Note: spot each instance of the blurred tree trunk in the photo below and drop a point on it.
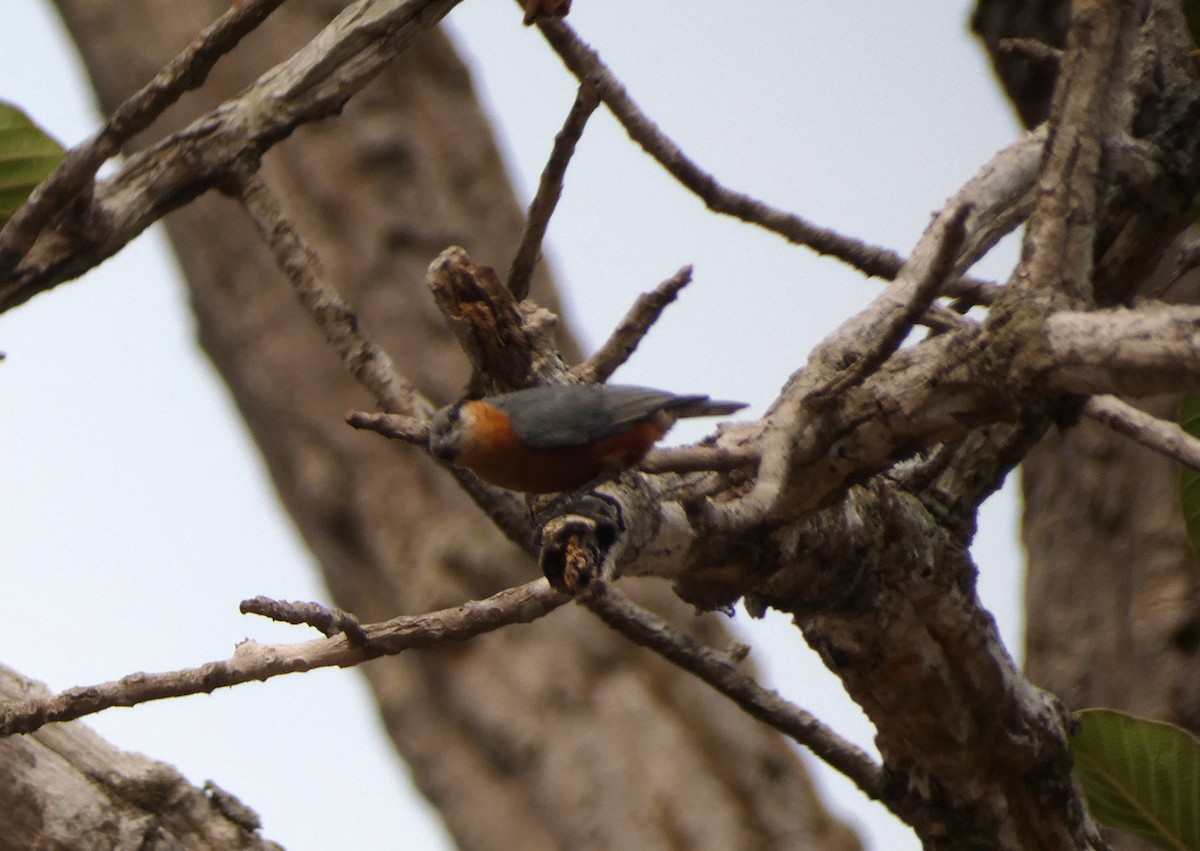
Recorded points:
(554, 735)
(1112, 598)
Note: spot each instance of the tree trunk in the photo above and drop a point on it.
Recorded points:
(1111, 595)
(1112, 591)
(553, 735)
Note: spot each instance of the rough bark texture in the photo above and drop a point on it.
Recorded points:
(1112, 593)
(554, 735)
(872, 462)
(66, 789)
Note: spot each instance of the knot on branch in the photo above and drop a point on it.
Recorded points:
(544, 10)
(577, 546)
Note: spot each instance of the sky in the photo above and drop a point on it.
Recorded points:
(137, 513)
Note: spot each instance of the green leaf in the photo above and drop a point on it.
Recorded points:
(1189, 479)
(27, 155)
(1142, 777)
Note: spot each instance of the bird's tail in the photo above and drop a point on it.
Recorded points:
(702, 406)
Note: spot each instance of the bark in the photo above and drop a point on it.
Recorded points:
(63, 788)
(554, 735)
(1112, 592)
(871, 464)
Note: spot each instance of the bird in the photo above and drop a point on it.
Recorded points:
(561, 438)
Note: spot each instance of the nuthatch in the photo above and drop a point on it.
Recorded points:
(560, 437)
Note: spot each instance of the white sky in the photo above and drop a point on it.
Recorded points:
(137, 515)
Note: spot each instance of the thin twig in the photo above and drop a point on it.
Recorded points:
(329, 621)
(549, 191)
(254, 661)
(637, 322)
(369, 363)
(587, 66)
(312, 84)
(1148, 430)
(186, 71)
(1030, 48)
(719, 671)
(883, 326)
(391, 426)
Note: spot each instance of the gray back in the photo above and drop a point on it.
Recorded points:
(572, 414)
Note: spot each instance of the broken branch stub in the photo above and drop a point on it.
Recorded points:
(510, 345)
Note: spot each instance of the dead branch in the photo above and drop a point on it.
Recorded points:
(315, 83)
(719, 670)
(587, 66)
(624, 339)
(510, 345)
(874, 335)
(329, 621)
(1148, 430)
(252, 661)
(186, 71)
(1030, 48)
(391, 426)
(549, 191)
(369, 363)
(697, 459)
(1085, 119)
(1153, 349)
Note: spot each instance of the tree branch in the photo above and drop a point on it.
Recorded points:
(697, 459)
(587, 67)
(329, 621)
(1030, 48)
(391, 426)
(719, 671)
(1153, 349)
(549, 191)
(253, 661)
(1153, 433)
(792, 447)
(1085, 116)
(315, 83)
(369, 363)
(861, 345)
(185, 72)
(632, 330)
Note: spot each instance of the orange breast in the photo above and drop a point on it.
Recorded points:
(496, 455)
